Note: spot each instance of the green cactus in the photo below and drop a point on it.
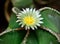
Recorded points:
(47, 33)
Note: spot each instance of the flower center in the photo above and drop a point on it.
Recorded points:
(29, 20)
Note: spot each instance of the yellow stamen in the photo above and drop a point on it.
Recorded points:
(29, 20)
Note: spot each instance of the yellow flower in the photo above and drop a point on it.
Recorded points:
(29, 18)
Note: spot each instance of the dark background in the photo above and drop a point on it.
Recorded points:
(3, 21)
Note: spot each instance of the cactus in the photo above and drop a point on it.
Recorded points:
(46, 21)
